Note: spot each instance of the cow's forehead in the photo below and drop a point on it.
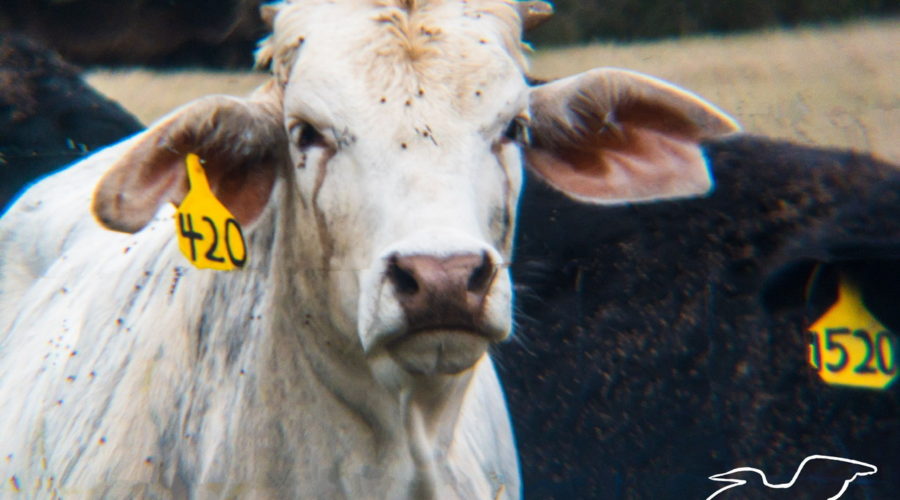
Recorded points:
(370, 57)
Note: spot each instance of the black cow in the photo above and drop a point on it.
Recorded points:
(49, 117)
(662, 343)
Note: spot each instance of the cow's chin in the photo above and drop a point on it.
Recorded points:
(438, 352)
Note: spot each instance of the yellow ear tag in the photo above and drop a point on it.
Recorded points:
(848, 346)
(208, 234)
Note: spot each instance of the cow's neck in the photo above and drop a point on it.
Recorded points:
(313, 397)
(410, 424)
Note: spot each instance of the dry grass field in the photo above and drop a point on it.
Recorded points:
(832, 86)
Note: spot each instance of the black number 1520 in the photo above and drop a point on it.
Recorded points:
(877, 354)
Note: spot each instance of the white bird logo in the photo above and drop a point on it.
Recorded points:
(820, 473)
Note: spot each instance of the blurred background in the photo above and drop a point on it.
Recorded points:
(578, 21)
(222, 33)
(821, 72)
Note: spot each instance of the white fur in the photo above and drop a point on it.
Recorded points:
(124, 372)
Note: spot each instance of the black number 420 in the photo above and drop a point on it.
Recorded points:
(213, 253)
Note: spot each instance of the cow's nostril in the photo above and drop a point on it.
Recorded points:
(404, 281)
(482, 276)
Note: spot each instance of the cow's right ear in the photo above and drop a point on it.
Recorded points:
(240, 140)
(611, 136)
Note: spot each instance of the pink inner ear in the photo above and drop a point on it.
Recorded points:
(245, 190)
(637, 164)
(130, 193)
(241, 142)
(613, 136)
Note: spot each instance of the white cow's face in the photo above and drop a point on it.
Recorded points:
(411, 169)
(396, 131)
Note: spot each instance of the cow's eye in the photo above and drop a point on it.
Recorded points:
(305, 135)
(517, 131)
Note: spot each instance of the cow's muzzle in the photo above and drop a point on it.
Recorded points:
(443, 300)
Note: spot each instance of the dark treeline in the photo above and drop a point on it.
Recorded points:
(170, 33)
(624, 20)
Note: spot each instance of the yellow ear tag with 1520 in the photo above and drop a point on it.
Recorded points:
(208, 234)
(849, 346)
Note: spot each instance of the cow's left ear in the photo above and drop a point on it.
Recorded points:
(241, 140)
(613, 136)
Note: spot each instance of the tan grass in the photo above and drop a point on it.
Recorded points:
(150, 94)
(834, 86)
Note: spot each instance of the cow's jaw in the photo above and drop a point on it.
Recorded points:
(438, 351)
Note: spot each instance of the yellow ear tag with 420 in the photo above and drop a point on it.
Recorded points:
(208, 234)
(849, 346)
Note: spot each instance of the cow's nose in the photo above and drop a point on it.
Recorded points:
(442, 292)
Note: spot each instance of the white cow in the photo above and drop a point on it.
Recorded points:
(376, 177)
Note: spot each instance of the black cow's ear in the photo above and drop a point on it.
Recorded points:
(806, 284)
(812, 286)
(241, 140)
(860, 244)
(881, 291)
(614, 136)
